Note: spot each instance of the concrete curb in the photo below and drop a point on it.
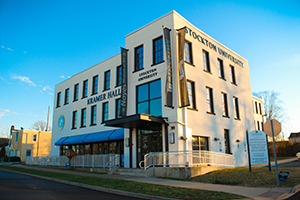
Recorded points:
(97, 188)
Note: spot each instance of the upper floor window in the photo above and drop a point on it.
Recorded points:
(105, 112)
(188, 52)
(76, 88)
(236, 108)
(232, 74)
(119, 76)
(221, 69)
(224, 105)
(95, 85)
(260, 111)
(17, 137)
(256, 107)
(118, 108)
(107, 80)
(149, 98)
(139, 58)
(94, 115)
(209, 100)
(191, 93)
(158, 55)
(34, 137)
(67, 92)
(74, 120)
(83, 117)
(58, 99)
(85, 89)
(206, 65)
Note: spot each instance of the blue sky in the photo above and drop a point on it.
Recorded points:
(42, 43)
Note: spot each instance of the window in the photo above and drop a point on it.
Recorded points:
(76, 88)
(67, 92)
(262, 126)
(221, 69)
(58, 99)
(258, 125)
(232, 74)
(259, 105)
(139, 58)
(85, 89)
(200, 143)
(105, 112)
(83, 117)
(94, 115)
(236, 108)
(188, 52)
(158, 50)
(95, 85)
(256, 107)
(149, 98)
(206, 64)
(191, 93)
(34, 137)
(227, 141)
(28, 152)
(107, 80)
(119, 76)
(118, 108)
(209, 100)
(224, 105)
(17, 137)
(74, 120)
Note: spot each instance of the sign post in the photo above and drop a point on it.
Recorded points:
(273, 128)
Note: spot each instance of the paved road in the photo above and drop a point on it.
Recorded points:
(15, 186)
(293, 164)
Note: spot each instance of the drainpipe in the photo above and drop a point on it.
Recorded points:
(38, 143)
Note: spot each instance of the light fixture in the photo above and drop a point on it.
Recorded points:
(172, 138)
(237, 141)
(126, 142)
(216, 139)
(183, 138)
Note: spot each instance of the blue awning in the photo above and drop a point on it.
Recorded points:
(115, 134)
(60, 141)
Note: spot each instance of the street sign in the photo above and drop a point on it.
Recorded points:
(276, 127)
(258, 147)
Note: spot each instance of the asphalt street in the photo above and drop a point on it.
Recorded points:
(293, 164)
(15, 186)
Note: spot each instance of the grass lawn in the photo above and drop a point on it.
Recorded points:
(259, 177)
(132, 186)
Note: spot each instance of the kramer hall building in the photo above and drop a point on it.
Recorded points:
(172, 88)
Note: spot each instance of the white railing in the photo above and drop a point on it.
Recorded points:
(101, 160)
(187, 159)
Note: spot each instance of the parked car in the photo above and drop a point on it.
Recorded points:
(298, 155)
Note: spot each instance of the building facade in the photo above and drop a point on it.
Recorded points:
(258, 110)
(193, 95)
(25, 143)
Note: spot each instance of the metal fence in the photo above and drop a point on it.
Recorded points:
(101, 160)
(187, 159)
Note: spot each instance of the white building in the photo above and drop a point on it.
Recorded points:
(87, 106)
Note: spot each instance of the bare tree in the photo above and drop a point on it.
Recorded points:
(4, 130)
(39, 125)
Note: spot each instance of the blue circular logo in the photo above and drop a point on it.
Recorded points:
(61, 122)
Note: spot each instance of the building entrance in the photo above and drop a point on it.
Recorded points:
(148, 141)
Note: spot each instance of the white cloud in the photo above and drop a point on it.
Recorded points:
(50, 93)
(69, 76)
(24, 52)
(62, 76)
(15, 113)
(6, 110)
(24, 79)
(1, 115)
(2, 47)
(1, 78)
(47, 88)
(9, 49)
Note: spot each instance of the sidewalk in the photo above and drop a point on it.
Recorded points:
(251, 193)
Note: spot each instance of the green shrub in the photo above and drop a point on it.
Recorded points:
(12, 159)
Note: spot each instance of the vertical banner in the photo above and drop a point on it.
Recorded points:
(124, 87)
(169, 82)
(182, 78)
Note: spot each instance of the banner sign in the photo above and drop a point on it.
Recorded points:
(169, 82)
(182, 78)
(258, 147)
(124, 87)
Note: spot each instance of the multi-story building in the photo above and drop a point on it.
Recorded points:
(258, 110)
(182, 91)
(25, 143)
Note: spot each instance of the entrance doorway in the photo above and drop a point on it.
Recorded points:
(148, 141)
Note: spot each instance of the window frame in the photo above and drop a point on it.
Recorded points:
(199, 143)
(156, 61)
(34, 137)
(236, 108)
(224, 105)
(76, 91)
(192, 96)
(232, 75)
(137, 58)
(106, 80)
(67, 96)
(227, 141)
(93, 115)
(85, 88)
(221, 69)
(118, 108)
(209, 100)
(206, 63)
(104, 111)
(83, 118)
(28, 150)
(58, 100)
(190, 52)
(119, 76)
(74, 119)
(95, 85)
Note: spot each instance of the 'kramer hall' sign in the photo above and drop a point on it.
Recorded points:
(104, 96)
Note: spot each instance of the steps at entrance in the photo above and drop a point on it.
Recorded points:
(130, 172)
